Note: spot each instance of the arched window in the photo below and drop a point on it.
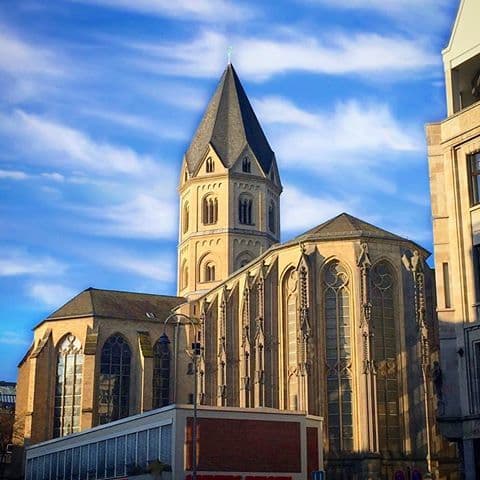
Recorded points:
(272, 175)
(209, 274)
(385, 352)
(246, 165)
(338, 357)
(68, 389)
(210, 210)
(243, 258)
(184, 279)
(186, 214)
(114, 382)
(245, 210)
(161, 372)
(290, 294)
(210, 165)
(185, 176)
(271, 217)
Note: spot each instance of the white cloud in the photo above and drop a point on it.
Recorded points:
(54, 176)
(17, 262)
(49, 294)
(13, 175)
(20, 57)
(155, 267)
(144, 215)
(138, 123)
(301, 211)
(10, 337)
(263, 57)
(63, 146)
(206, 10)
(353, 135)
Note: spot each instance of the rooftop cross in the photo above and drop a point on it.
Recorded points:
(229, 54)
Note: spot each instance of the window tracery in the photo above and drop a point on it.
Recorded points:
(338, 357)
(161, 372)
(385, 354)
(68, 389)
(114, 381)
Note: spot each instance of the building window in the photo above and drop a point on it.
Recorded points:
(475, 177)
(68, 390)
(385, 354)
(186, 212)
(114, 384)
(210, 210)
(446, 286)
(245, 207)
(338, 357)
(243, 258)
(246, 165)
(209, 274)
(290, 294)
(185, 176)
(161, 372)
(210, 165)
(476, 271)
(184, 278)
(271, 217)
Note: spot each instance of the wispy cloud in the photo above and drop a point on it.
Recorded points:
(18, 262)
(144, 215)
(203, 10)
(314, 209)
(137, 122)
(13, 175)
(50, 294)
(10, 337)
(63, 146)
(260, 58)
(355, 134)
(20, 57)
(156, 267)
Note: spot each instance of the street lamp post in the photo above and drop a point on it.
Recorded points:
(185, 320)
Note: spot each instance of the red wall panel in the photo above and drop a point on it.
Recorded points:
(228, 445)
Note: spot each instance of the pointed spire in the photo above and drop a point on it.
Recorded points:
(229, 124)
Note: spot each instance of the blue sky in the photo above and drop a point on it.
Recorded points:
(99, 98)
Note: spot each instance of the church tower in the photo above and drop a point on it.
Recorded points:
(229, 192)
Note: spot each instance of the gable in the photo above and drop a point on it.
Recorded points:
(465, 39)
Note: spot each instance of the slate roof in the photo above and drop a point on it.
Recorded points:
(346, 226)
(229, 124)
(115, 304)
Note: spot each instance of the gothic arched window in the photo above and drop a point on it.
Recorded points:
(338, 357)
(161, 372)
(246, 165)
(210, 210)
(186, 212)
(209, 274)
(68, 389)
(114, 381)
(271, 217)
(245, 210)
(385, 354)
(290, 294)
(210, 165)
(184, 277)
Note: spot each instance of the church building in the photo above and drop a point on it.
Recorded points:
(338, 322)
